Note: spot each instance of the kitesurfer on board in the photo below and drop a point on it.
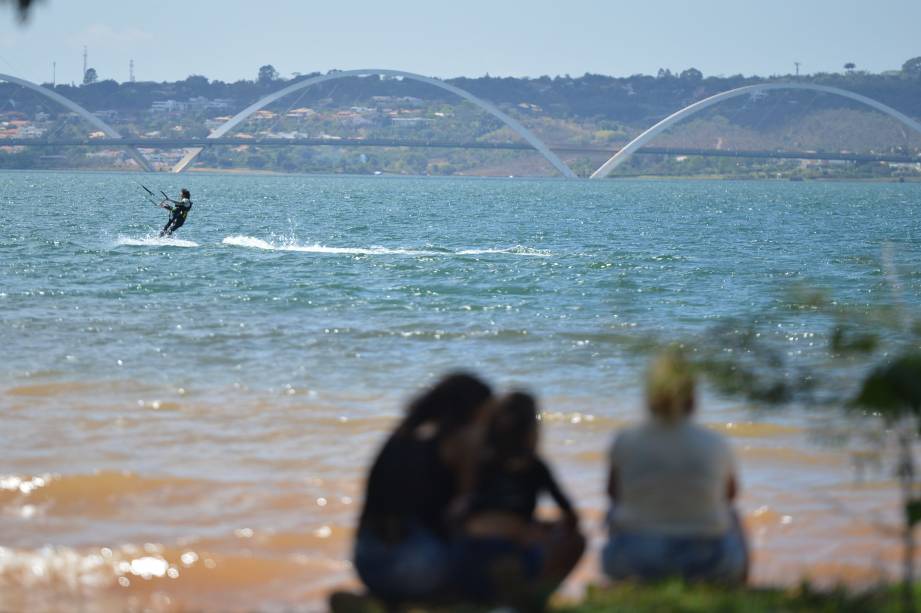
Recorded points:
(179, 211)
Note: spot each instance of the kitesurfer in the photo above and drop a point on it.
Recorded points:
(179, 211)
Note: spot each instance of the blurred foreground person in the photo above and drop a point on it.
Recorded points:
(505, 555)
(672, 485)
(402, 549)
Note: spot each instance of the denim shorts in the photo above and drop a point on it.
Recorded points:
(483, 565)
(652, 557)
(417, 568)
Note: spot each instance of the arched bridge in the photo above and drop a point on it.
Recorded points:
(621, 156)
(490, 108)
(630, 148)
(79, 110)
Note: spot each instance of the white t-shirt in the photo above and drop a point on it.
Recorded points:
(672, 479)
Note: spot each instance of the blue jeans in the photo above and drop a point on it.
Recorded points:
(417, 568)
(483, 564)
(652, 557)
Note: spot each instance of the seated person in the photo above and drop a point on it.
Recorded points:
(402, 548)
(505, 555)
(672, 484)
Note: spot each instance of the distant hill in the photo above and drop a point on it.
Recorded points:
(638, 99)
(591, 109)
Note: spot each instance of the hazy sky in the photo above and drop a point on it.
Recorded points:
(230, 39)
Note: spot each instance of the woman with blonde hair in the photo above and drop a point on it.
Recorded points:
(672, 484)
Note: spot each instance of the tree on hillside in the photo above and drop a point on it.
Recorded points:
(691, 74)
(197, 85)
(850, 66)
(196, 81)
(267, 74)
(912, 68)
(90, 76)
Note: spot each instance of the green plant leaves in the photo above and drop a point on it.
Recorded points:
(844, 341)
(894, 389)
(913, 511)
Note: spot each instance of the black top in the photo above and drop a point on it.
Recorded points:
(409, 485)
(500, 488)
(181, 208)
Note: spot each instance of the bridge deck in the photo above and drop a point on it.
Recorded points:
(182, 143)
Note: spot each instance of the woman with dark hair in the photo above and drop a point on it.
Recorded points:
(506, 556)
(402, 550)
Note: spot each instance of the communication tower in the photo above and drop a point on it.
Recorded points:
(131, 70)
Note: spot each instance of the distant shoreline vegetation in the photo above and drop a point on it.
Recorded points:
(600, 113)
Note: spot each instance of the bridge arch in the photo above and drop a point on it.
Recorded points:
(82, 112)
(490, 108)
(630, 148)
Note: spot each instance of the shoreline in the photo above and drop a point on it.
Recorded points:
(315, 545)
(645, 178)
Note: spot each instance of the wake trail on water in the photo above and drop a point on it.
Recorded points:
(154, 241)
(258, 243)
(516, 250)
(252, 242)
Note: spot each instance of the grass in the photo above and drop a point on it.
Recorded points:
(677, 597)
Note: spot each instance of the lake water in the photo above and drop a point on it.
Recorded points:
(187, 422)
